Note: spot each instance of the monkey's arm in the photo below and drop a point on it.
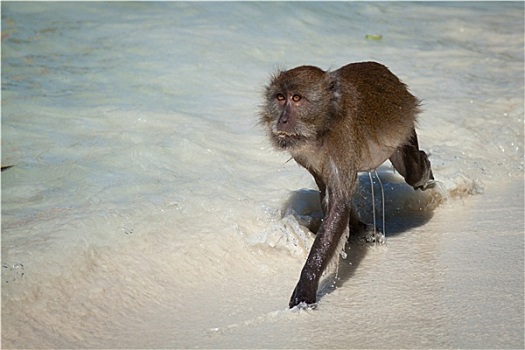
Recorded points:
(323, 248)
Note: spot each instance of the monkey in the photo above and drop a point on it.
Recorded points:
(336, 124)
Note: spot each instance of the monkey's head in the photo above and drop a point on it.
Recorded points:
(298, 106)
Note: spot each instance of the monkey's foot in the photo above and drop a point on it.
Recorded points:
(303, 296)
(369, 235)
(374, 236)
(365, 233)
(305, 306)
(429, 185)
(427, 178)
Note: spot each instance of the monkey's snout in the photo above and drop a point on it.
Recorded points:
(286, 128)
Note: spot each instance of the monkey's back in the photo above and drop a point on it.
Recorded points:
(379, 109)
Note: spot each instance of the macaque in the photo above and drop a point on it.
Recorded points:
(336, 124)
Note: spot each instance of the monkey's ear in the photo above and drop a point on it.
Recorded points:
(330, 79)
(332, 82)
(334, 89)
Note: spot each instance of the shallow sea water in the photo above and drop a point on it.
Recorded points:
(145, 208)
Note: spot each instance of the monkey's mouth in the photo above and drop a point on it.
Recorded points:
(285, 139)
(284, 134)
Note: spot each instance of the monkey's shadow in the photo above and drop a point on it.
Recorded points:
(404, 209)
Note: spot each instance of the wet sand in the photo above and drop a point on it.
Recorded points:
(455, 281)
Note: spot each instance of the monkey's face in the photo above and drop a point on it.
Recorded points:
(297, 107)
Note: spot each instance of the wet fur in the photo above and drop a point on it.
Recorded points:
(345, 121)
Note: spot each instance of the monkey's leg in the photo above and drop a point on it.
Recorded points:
(326, 241)
(413, 164)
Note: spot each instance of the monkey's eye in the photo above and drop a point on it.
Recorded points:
(279, 97)
(296, 98)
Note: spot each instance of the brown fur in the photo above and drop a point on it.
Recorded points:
(336, 124)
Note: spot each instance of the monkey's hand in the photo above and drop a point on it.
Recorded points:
(304, 293)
